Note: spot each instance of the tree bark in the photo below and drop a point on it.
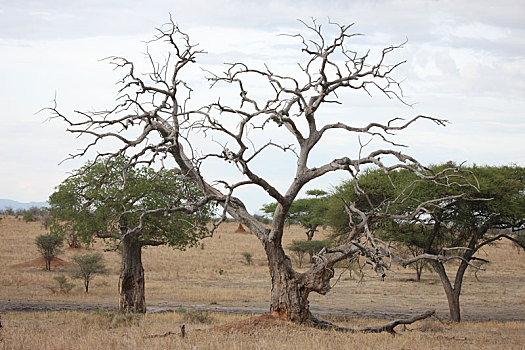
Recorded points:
(289, 299)
(310, 235)
(453, 306)
(131, 280)
(419, 270)
(452, 292)
(290, 289)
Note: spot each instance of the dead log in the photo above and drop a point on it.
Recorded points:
(389, 327)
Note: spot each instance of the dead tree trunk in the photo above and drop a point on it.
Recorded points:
(290, 289)
(131, 280)
(289, 299)
(175, 123)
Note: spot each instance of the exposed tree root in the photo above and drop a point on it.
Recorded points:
(389, 327)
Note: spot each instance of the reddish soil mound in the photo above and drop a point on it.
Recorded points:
(40, 262)
(240, 229)
(252, 325)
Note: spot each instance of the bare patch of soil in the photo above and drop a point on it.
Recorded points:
(252, 325)
(43, 306)
(261, 320)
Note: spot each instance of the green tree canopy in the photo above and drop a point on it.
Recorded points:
(307, 212)
(87, 266)
(49, 247)
(310, 247)
(137, 206)
(106, 199)
(463, 216)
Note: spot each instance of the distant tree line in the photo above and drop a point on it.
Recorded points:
(29, 215)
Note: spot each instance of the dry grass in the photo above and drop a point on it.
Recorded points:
(102, 331)
(219, 275)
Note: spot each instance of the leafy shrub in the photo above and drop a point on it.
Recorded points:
(49, 247)
(88, 265)
(63, 285)
(29, 217)
(32, 214)
(248, 257)
(194, 316)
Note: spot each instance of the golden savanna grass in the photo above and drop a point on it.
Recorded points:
(73, 330)
(216, 273)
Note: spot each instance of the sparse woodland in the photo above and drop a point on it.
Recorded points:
(155, 122)
(159, 122)
(194, 280)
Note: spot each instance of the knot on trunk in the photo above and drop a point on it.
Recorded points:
(317, 278)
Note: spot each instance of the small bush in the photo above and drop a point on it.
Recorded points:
(63, 285)
(194, 316)
(247, 257)
(112, 319)
(29, 217)
(88, 265)
(49, 247)
(32, 214)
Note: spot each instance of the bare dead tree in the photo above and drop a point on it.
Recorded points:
(155, 119)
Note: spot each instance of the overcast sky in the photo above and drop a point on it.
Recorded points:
(465, 63)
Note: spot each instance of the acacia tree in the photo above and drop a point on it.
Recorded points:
(88, 265)
(49, 247)
(307, 212)
(470, 223)
(378, 189)
(136, 208)
(456, 227)
(157, 115)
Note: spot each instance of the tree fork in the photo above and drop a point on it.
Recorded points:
(290, 289)
(289, 298)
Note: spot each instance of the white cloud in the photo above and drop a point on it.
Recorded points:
(466, 63)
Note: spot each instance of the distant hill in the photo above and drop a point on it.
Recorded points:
(8, 203)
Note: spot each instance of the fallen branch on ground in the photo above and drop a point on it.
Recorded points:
(389, 327)
(182, 333)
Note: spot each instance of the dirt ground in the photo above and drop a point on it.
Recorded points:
(213, 276)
